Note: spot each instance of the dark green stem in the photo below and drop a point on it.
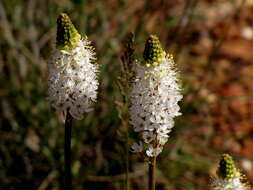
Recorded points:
(67, 152)
(151, 180)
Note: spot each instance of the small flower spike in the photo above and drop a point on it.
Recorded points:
(154, 97)
(73, 71)
(229, 177)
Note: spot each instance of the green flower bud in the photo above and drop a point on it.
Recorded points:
(153, 51)
(227, 169)
(67, 34)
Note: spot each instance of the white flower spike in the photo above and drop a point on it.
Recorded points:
(154, 97)
(229, 177)
(73, 71)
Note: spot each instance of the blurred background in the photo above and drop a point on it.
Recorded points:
(212, 43)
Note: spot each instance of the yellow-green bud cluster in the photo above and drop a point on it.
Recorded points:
(67, 34)
(227, 169)
(153, 52)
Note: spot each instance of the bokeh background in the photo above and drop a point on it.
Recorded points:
(212, 43)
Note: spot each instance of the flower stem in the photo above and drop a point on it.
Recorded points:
(152, 165)
(67, 152)
(127, 158)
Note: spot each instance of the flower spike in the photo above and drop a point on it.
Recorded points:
(229, 177)
(154, 96)
(73, 71)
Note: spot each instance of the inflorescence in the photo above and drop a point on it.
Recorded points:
(154, 98)
(229, 177)
(73, 71)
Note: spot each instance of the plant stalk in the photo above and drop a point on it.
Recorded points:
(151, 180)
(127, 158)
(67, 152)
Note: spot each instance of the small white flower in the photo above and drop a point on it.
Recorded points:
(137, 147)
(151, 151)
(148, 136)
